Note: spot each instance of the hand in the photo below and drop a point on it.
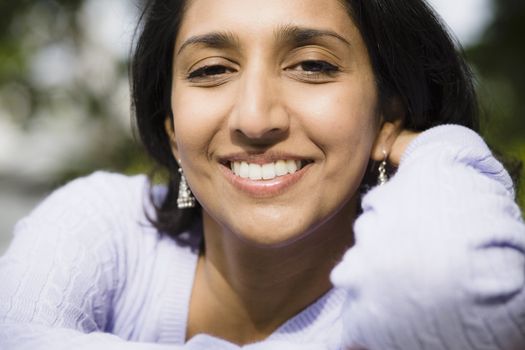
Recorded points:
(426, 247)
(393, 139)
(399, 146)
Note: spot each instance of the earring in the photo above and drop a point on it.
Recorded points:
(185, 198)
(383, 177)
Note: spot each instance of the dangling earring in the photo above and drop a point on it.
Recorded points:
(185, 198)
(383, 177)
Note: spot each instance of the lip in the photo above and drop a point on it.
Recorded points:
(260, 159)
(262, 188)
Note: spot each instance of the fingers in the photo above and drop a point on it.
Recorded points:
(393, 140)
(400, 144)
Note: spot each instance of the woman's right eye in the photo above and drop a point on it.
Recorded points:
(208, 72)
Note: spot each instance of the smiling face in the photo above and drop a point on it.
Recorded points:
(274, 114)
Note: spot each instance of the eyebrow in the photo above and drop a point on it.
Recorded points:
(289, 34)
(214, 40)
(302, 35)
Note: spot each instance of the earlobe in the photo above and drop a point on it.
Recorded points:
(168, 127)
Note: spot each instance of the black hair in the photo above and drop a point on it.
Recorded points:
(414, 59)
(151, 78)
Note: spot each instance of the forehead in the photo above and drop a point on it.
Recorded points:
(253, 18)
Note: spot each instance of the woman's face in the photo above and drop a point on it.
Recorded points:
(275, 113)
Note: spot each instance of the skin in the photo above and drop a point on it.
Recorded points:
(267, 95)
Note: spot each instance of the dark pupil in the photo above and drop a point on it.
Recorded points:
(214, 70)
(313, 66)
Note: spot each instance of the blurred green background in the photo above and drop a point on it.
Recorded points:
(64, 96)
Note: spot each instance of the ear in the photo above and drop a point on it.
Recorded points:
(390, 129)
(385, 139)
(168, 126)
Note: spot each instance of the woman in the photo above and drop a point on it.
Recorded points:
(271, 112)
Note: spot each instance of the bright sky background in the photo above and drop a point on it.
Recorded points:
(466, 18)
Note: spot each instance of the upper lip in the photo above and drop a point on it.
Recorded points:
(261, 158)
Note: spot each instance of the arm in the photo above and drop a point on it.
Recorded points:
(34, 337)
(61, 276)
(439, 260)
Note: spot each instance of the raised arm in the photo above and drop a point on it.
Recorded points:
(439, 259)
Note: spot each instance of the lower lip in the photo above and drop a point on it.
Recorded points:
(264, 188)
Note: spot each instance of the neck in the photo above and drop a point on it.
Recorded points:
(251, 290)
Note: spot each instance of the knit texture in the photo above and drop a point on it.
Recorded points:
(439, 256)
(438, 264)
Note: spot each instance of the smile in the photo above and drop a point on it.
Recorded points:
(264, 176)
(267, 171)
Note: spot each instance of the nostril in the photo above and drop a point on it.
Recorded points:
(277, 130)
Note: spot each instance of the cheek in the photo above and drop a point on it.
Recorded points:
(343, 122)
(341, 119)
(196, 123)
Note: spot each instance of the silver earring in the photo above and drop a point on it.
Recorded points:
(185, 198)
(383, 177)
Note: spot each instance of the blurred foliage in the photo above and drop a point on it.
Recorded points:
(498, 60)
(27, 27)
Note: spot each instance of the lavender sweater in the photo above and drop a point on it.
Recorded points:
(439, 263)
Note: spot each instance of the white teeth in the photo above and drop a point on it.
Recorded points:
(266, 171)
(255, 172)
(244, 170)
(236, 167)
(280, 168)
(291, 165)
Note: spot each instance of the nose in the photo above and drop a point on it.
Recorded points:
(259, 115)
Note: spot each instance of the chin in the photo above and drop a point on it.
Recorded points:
(271, 236)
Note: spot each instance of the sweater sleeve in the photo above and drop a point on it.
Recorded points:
(439, 259)
(61, 275)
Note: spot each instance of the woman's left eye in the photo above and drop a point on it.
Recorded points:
(314, 71)
(318, 67)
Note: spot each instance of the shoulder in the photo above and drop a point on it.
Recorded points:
(100, 207)
(100, 188)
(101, 194)
(103, 208)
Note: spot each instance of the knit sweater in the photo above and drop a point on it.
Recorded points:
(439, 263)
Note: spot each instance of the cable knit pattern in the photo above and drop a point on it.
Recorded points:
(87, 260)
(439, 256)
(438, 264)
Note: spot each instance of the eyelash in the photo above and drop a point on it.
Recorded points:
(321, 67)
(318, 69)
(203, 72)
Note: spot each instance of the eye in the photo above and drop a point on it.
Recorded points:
(316, 71)
(318, 67)
(207, 72)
